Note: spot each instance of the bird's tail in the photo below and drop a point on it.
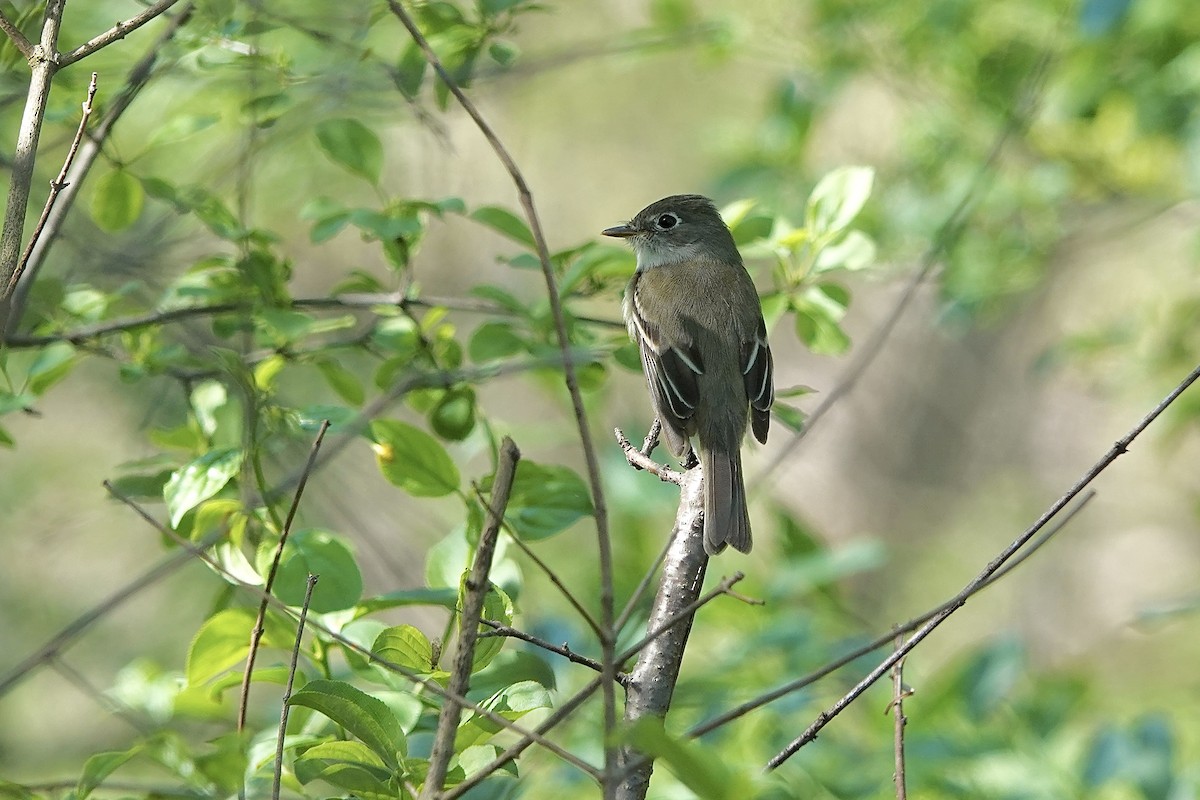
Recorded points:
(726, 519)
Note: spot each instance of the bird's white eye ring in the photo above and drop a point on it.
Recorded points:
(666, 221)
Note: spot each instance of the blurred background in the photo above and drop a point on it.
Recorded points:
(1044, 158)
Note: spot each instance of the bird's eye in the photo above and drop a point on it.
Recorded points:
(667, 221)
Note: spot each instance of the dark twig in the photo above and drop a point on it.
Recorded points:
(899, 693)
(474, 592)
(257, 633)
(880, 641)
(287, 692)
(118, 31)
(1119, 448)
(16, 37)
(600, 511)
(56, 186)
(564, 650)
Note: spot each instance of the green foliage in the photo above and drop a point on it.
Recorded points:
(245, 335)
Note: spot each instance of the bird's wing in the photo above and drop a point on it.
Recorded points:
(758, 369)
(672, 369)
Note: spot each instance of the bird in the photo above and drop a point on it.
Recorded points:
(696, 317)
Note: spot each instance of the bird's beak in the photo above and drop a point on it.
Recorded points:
(621, 231)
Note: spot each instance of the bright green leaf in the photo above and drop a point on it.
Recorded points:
(837, 199)
(545, 500)
(695, 765)
(316, 552)
(405, 646)
(413, 460)
(51, 365)
(352, 145)
(504, 222)
(223, 641)
(118, 200)
(492, 341)
(99, 767)
(366, 717)
(853, 251)
(201, 479)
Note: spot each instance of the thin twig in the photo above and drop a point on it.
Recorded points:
(880, 641)
(604, 545)
(43, 66)
(636, 596)
(684, 613)
(474, 592)
(1119, 448)
(563, 589)
(287, 692)
(118, 31)
(564, 711)
(56, 186)
(564, 650)
(16, 37)
(256, 633)
(640, 459)
(899, 692)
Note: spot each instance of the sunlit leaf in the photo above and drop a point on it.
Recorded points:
(364, 716)
(352, 145)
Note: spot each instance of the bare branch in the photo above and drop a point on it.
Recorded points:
(56, 186)
(16, 37)
(287, 692)
(899, 692)
(118, 31)
(604, 545)
(256, 633)
(640, 459)
(42, 61)
(563, 649)
(476, 589)
(1119, 448)
(881, 641)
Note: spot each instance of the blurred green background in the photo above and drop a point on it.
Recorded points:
(1062, 306)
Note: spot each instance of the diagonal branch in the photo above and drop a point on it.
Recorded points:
(118, 31)
(16, 37)
(994, 566)
(256, 633)
(281, 737)
(56, 187)
(474, 592)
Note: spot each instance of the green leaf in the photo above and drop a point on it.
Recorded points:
(504, 53)
(196, 482)
(837, 199)
(819, 310)
(405, 646)
(544, 500)
(118, 200)
(505, 223)
(99, 767)
(51, 365)
(443, 596)
(512, 703)
(497, 607)
(791, 417)
(223, 641)
(697, 767)
(492, 341)
(341, 380)
(413, 460)
(366, 717)
(352, 145)
(317, 552)
(453, 418)
(410, 73)
(854, 251)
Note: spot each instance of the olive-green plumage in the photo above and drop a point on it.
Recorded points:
(695, 315)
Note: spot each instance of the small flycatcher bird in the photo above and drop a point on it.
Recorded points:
(696, 317)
